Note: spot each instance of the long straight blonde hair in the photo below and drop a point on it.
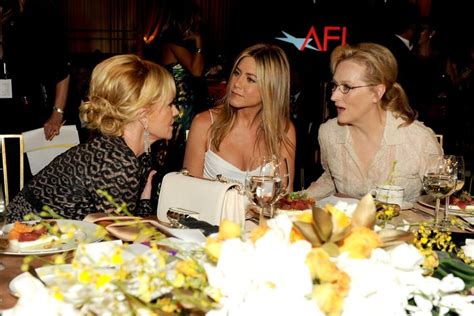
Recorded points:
(273, 82)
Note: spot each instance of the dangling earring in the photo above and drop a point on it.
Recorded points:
(146, 138)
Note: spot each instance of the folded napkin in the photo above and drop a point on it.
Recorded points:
(126, 228)
(136, 229)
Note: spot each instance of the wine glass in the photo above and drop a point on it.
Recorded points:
(439, 180)
(265, 186)
(3, 218)
(458, 163)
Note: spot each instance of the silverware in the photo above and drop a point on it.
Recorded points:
(176, 214)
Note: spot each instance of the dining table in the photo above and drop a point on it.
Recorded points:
(414, 215)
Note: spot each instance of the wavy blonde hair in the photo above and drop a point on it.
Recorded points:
(381, 68)
(273, 82)
(120, 86)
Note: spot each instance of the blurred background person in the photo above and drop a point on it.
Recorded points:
(252, 121)
(36, 60)
(179, 48)
(130, 105)
(375, 138)
(34, 57)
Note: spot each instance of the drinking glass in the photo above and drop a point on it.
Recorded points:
(3, 218)
(439, 180)
(268, 184)
(458, 163)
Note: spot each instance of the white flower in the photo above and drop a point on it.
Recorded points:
(270, 277)
(450, 284)
(406, 257)
(469, 248)
(463, 305)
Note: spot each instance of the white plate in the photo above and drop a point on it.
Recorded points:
(332, 199)
(47, 274)
(429, 201)
(84, 232)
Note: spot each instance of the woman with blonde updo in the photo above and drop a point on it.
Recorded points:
(130, 106)
(375, 138)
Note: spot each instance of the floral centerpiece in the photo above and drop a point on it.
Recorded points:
(322, 262)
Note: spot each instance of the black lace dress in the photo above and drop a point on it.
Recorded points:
(69, 184)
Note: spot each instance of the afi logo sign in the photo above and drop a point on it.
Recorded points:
(330, 33)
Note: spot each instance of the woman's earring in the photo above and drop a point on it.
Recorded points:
(146, 139)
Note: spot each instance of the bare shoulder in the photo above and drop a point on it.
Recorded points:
(202, 120)
(205, 118)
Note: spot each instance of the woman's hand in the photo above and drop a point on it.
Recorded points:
(53, 125)
(146, 194)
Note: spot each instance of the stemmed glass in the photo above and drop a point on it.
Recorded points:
(3, 218)
(268, 184)
(439, 180)
(458, 163)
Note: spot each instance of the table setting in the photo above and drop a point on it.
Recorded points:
(285, 264)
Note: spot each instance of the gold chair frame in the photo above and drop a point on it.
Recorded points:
(5, 165)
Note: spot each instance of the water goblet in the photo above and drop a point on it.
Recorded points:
(439, 180)
(265, 186)
(458, 163)
(3, 218)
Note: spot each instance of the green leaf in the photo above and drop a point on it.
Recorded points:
(307, 230)
(331, 248)
(322, 223)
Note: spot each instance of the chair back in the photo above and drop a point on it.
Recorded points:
(41, 152)
(12, 149)
(439, 137)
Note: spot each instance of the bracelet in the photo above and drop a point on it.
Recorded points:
(60, 111)
(198, 50)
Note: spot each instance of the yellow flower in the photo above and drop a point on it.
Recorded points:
(229, 230)
(213, 248)
(329, 299)
(117, 258)
(85, 277)
(430, 261)
(167, 305)
(258, 232)
(360, 243)
(340, 220)
(59, 259)
(305, 217)
(102, 280)
(320, 265)
(187, 267)
(58, 294)
(295, 235)
(178, 280)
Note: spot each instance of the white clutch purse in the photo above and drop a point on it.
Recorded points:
(213, 200)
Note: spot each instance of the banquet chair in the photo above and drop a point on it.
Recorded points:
(41, 152)
(12, 148)
(439, 137)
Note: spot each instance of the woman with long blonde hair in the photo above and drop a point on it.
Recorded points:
(251, 122)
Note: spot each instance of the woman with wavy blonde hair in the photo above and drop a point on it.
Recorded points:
(130, 106)
(375, 139)
(252, 120)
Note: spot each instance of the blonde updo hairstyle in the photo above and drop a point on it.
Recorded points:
(381, 68)
(120, 86)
